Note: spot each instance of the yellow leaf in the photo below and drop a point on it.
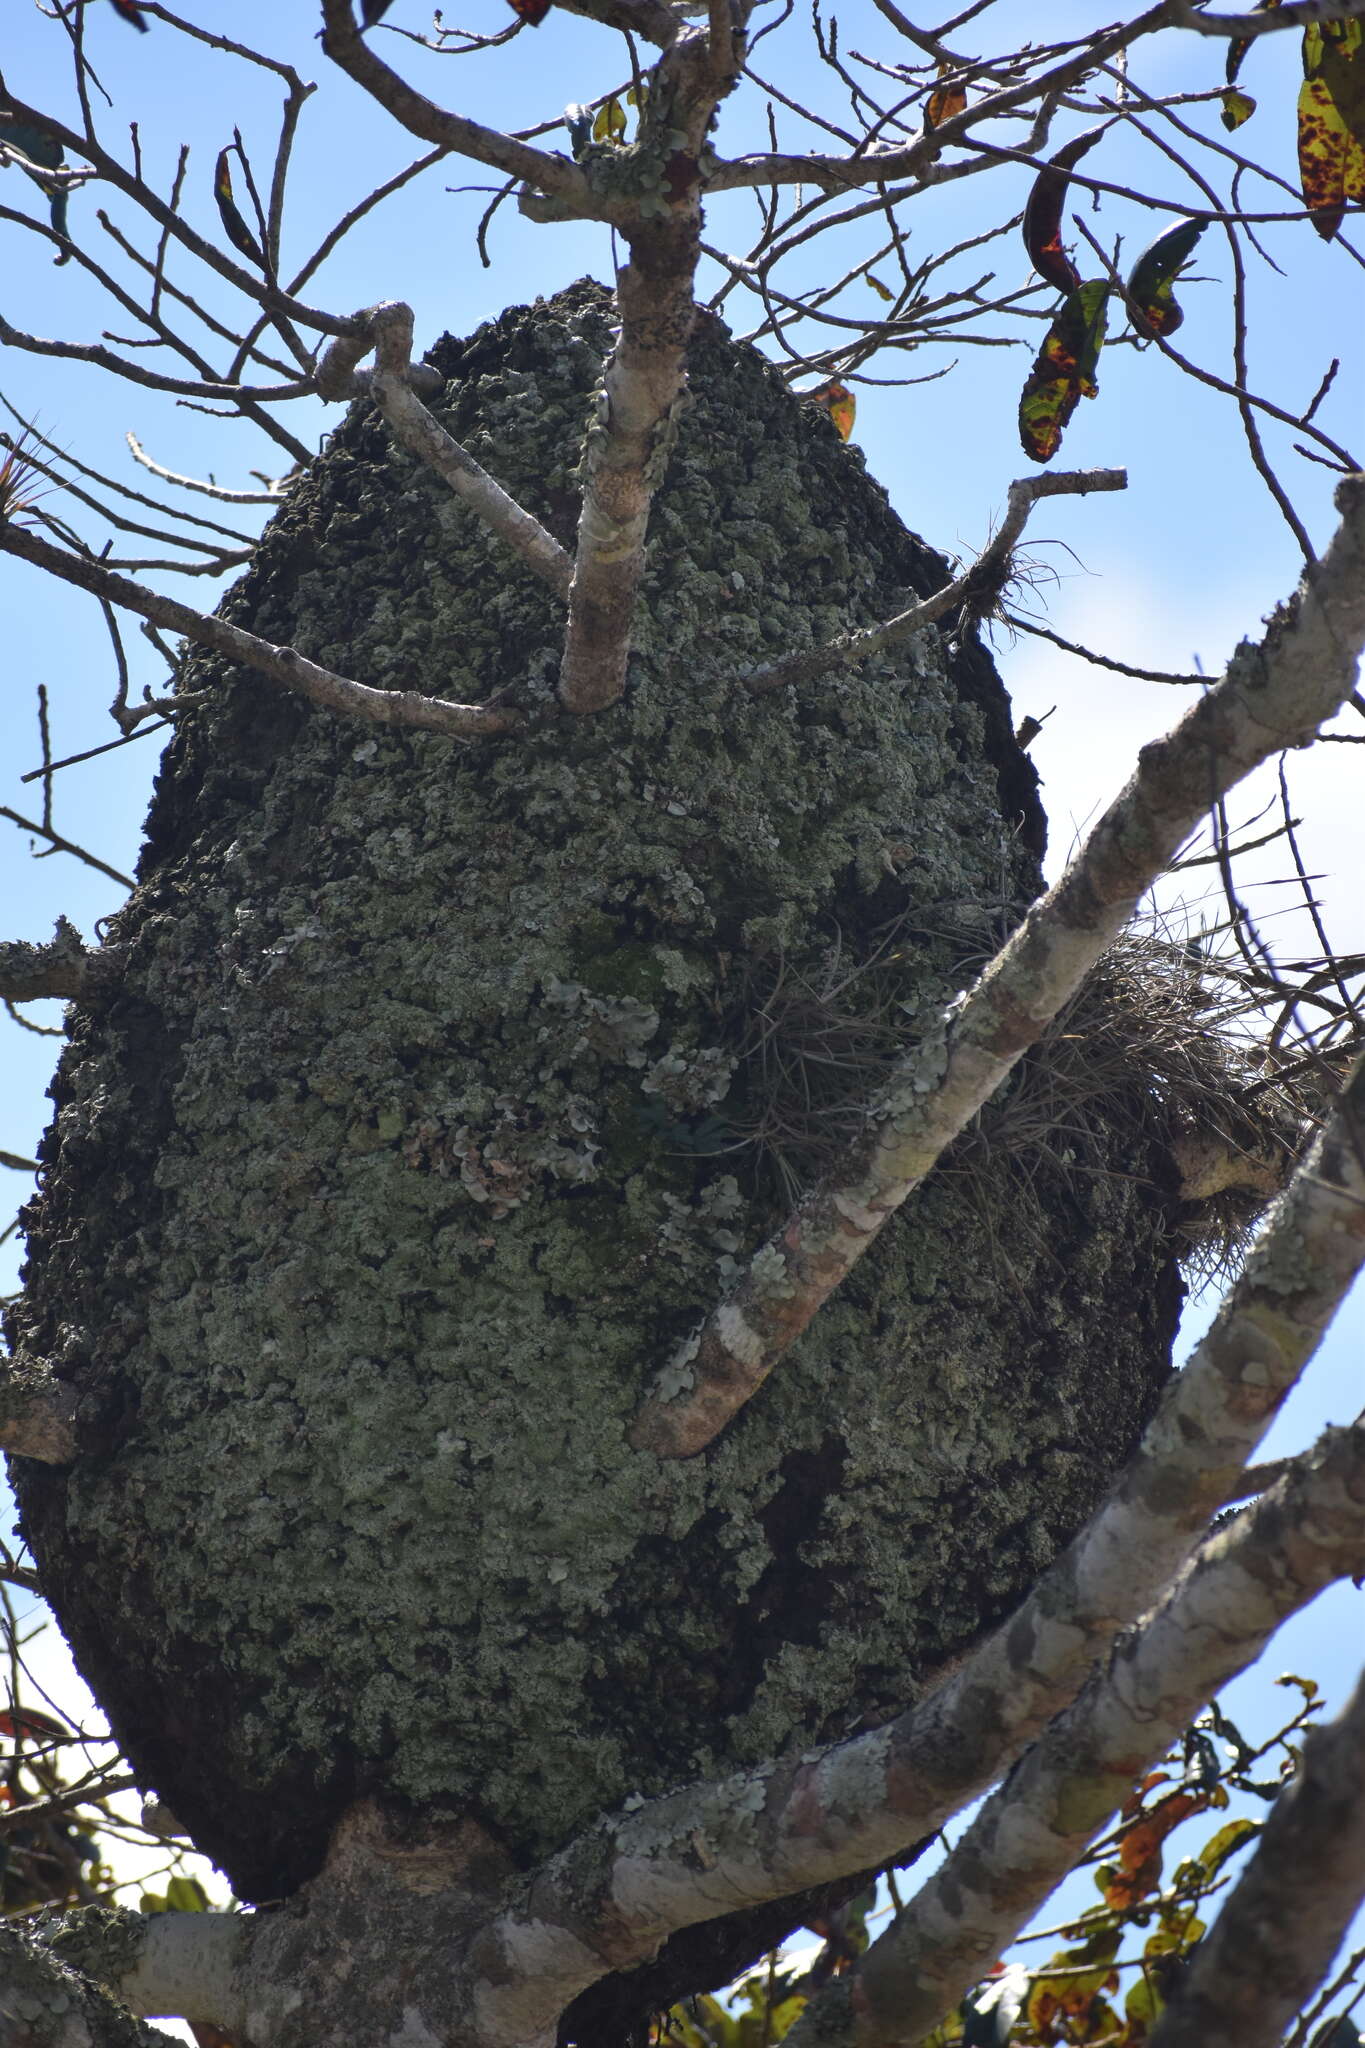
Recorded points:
(839, 402)
(1237, 107)
(1332, 122)
(610, 125)
(878, 287)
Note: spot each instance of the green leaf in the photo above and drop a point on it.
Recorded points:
(1225, 1843)
(1237, 107)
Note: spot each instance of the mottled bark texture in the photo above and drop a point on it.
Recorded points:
(411, 1140)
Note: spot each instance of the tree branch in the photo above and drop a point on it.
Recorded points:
(46, 2004)
(557, 175)
(264, 291)
(389, 330)
(606, 1901)
(1242, 27)
(1274, 1940)
(1272, 697)
(918, 160)
(1305, 1534)
(29, 971)
(984, 580)
(37, 1413)
(628, 448)
(284, 666)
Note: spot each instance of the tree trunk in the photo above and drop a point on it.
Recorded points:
(435, 1091)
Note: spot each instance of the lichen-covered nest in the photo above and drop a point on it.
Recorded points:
(403, 1146)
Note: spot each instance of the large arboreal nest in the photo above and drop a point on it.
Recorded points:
(398, 1146)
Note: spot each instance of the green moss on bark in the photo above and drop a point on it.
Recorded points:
(379, 1183)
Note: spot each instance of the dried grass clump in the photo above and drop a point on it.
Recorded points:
(1153, 1069)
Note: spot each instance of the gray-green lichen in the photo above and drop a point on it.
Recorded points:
(402, 1156)
(45, 2003)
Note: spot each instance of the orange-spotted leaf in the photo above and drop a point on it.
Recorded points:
(1064, 370)
(947, 101)
(1239, 46)
(1151, 282)
(126, 11)
(238, 233)
(533, 11)
(1043, 214)
(839, 402)
(1332, 121)
(1237, 107)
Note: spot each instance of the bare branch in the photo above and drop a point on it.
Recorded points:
(55, 839)
(1295, 14)
(554, 174)
(1275, 1938)
(193, 483)
(919, 160)
(1272, 696)
(281, 665)
(390, 328)
(983, 581)
(262, 290)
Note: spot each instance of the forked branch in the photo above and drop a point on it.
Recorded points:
(977, 587)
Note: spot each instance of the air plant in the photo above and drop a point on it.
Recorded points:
(16, 472)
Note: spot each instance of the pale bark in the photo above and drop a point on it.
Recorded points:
(389, 330)
(29, 972)
(46, 2004)
(1305, 1534)
(284, 666)
(628, 447)
(557, 175)
(1274, 1940)
(1273, 696)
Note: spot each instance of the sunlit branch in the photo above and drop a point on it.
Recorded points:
(262, 290)
(983, 580)
(557, 175)
(1307, 1532)
(1272, 696)
(283, 666)
(388, 328)
(193, 483)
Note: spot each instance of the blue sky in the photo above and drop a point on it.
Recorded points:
(1169, 575)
